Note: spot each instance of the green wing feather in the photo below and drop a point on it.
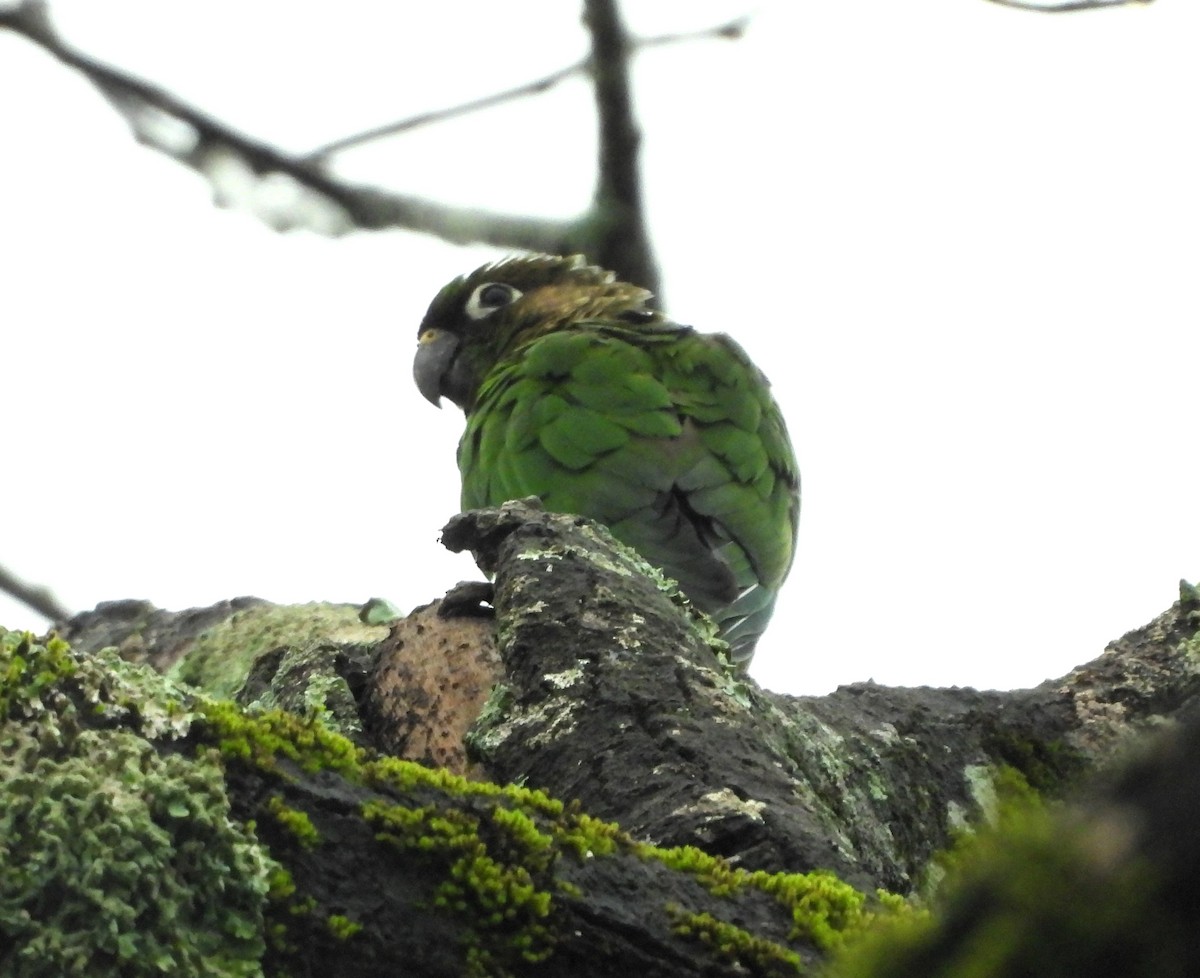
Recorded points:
(668, 436)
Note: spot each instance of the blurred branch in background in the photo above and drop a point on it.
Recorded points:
(290, 191)
(618, 196)
(1069, 6)
(34, 596)
(293, 190)
(284, 190)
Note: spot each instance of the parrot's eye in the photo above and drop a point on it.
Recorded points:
(489, 297)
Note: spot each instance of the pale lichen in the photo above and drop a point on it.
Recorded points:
(116, 856)
(221, 657)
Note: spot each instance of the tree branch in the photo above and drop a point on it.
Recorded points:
(220, 152)
(34, 596)
(730, 30)
(535, 87)
(1070, 6)
(625, 245)
(288, 190)
(601, 687)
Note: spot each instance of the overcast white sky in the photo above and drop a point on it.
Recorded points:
(960, 239)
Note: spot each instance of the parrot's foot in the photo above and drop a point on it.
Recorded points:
(468, 599)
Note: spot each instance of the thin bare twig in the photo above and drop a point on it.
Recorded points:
(1069, 6)
(34, 596)
(731, 30)
(535, 87)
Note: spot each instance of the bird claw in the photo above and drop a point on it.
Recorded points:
(468, 599)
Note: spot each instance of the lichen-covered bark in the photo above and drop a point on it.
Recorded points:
(613, 697)
(119, 855)
(610, 690)
(147, 829)
(1108, 886)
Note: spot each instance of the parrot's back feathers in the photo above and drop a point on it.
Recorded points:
(576, 391)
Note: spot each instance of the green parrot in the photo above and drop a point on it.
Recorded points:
(577, 392)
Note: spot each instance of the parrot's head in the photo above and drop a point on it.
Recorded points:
(481, 318)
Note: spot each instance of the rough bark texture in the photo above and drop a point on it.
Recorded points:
(633, 715)
(607, 688)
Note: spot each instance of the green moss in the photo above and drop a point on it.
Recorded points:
(1012, 906)
(264, 739)
(343, 928)
(407, 776)
(743, 950)
(1014, 803)
(280, 885)
(282, 900)
(498, 865)
(715, 874)
(586, 836)
(499, 870)
(496, 876)
(295, 822)
(498, 847)
(876, 953)
(1048, 766)
(522, 830)
(825, 911)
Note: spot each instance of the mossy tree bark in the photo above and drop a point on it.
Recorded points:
(594, 681)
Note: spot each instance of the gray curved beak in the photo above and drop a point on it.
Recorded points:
(435, 354)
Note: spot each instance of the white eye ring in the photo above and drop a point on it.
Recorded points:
(489, 297)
